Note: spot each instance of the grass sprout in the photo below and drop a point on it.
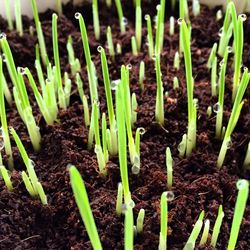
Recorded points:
(122, 19)
(219, 111)
(142, 75)
(150, 40)
(110, 43)
(176, 83)
(140, 221)
(96, 21)
(61, 94)
(6, 178)
(192, 112)
(138, 24)
(226, 31)
(119, 200)
(247, 158)
(164, 221)
(83, 204)
(18, 15)
(205, 233)
(195, 233)
(240, 206)
(212, 56)
(122, 142)
(177, 60)
(237, 106)
(39, 31)
(134, 46)
(196, 7)
(169, 164)
(238, 49)
(4, 128)
(74, 62)
(134, 158)
(31, 178)
(113, 147)
(134, 107)
(104, 138)
(214, 77)
(129, 229)
(90, 65)
(98, 146)
(45, 110)
(159, 106)
(8, 14)
(182, 146)
(217, 226)
(171, 26)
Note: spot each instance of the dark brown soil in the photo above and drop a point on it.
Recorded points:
(198, 184)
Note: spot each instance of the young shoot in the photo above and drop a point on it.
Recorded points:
(59, 8)
(165, 198)
(246, 163)
(110, 43)
(142, 75)
(176, 83)
(34, 187)
(134, 108)
(122, 20)
(169, 164)
(113, 148)
(214, 77)
(192, 112)
(90, 66)
(104, 138)
(212, 56)
(182, 146)
(82, 201)
(238, 104)
(220, 104)
(171, 26)
(217, 226)
(8, 14)
(134, 46)
(240, 206)
(190, 245)
(219, 15)
(183, 10)
(209, 111)
(196, 8)
(226, 31)
(96, 21)
(6, 178)
(4, 129)
(74, 62)
(129, 229)
(61, 94)
(238, 51)
(18, 15)
(177, 60)
(118, 49)
(159, 25)
(119, 200)
(7, 92)
(45, 110)
(122, 142)
(39, 31)
(140, 221)
(150, 40)
(205, 233)
(134, 158)
(138, 24)
(159, 107)
(98, 146)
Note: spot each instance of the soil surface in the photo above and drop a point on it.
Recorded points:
(198, 184)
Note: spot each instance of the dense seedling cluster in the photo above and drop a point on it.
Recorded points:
(115, 133)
